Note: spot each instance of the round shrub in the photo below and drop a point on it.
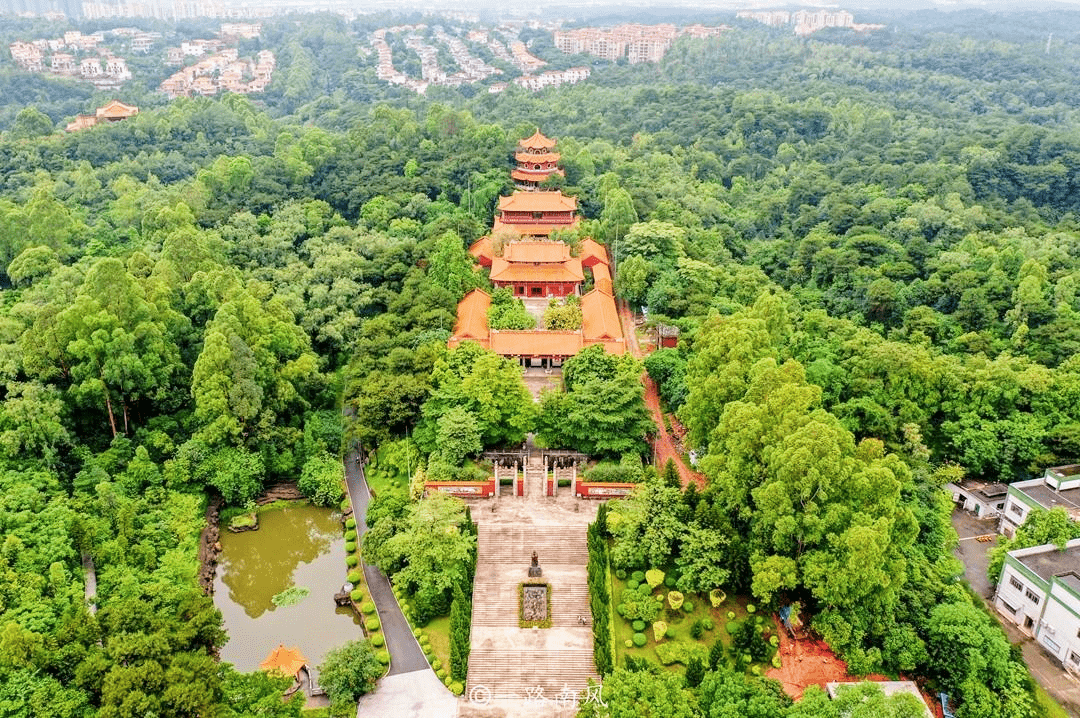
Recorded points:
(345, 504)
(441, 674)
(424, 640)
(633, 583)
(383, 657)
(639, 626)
(756, 670)
(688, 606)
(351, 560)
(697, 629)
(621, 609)
(354, 577)
(731, 615)
(670, 582)
(644, 589)
(447, 681)
(751, 608)
(731, 627)
(357, 595)
(436, 664)
(350, 535)
(776, 663)
(628, 643)
(456, 688)
(708, 624)
(416, 632)
(429, 655)
(659, 598)
(620, 573)
(350, 547)
(640, 639)
(638, 576)
(350, 523)
(378, 641)
(670, 632)
(372, 624)
(367, 608)
(774, 641)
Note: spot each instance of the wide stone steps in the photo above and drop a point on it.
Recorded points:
(510, 662)
(497, 606)
(537, 673)
(515, 545)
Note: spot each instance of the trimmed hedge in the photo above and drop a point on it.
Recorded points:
(367, 608)
(378, 641)
(351, 560)
(354, 577)
(640, 639)
(350, 523)
(372, 624)
(350, 535)
(599, 595)
(383, 657)
(357, 595)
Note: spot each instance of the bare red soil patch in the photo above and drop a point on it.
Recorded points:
(664, 447)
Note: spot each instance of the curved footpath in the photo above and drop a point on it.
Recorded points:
(405, 653)
(410, 689)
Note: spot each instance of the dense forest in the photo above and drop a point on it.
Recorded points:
(870, 245)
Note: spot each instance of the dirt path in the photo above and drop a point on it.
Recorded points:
(664, 446)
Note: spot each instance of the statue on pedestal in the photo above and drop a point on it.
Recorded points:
(534, 569)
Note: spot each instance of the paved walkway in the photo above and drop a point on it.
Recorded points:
(418, 694)
(975, 557)
(405, 653)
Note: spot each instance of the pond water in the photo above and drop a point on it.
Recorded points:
(298, 546)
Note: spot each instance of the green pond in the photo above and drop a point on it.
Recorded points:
(298, 546)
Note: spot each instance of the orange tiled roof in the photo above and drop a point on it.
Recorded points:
(537, 141)
(536, 252)
(545, 157)
(531, 229)
(481, 249)
(613, 346)
(599, 318)
(536, 343)
(602, 278)
(472, 319)
(116, 108)
(568, 271)
(537, 202)
(592, 252)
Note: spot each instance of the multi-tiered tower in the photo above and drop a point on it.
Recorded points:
(535, 161)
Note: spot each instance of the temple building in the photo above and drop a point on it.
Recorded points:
(535, 162)
(112, 112)
(521, 257)
(536, 214)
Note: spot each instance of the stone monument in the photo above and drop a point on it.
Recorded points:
(534, 569)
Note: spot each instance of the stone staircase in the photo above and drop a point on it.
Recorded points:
(523, 674)
(514, 662)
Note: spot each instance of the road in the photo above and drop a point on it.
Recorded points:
(405, 653)
(1044, 669)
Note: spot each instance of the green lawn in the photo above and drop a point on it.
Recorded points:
(681, 621)
(381, 477)
(438, 633)
(1050, 707)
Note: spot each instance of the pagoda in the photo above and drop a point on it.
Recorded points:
(522, 257)
(535, 162)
